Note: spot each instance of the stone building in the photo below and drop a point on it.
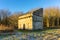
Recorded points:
(32, 20)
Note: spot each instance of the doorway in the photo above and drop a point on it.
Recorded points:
(23, 26)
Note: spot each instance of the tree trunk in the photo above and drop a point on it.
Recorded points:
(47, 23)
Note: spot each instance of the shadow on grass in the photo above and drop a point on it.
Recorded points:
(39, 30)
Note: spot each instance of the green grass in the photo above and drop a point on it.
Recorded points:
(44, 30)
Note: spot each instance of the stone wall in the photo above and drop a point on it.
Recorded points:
(37, 22)
(27, 21)
(38, 19)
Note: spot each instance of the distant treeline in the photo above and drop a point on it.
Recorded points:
(51, 17)
(9, 19)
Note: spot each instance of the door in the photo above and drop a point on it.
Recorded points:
(23, 26)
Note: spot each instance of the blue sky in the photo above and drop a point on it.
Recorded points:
(26, 5)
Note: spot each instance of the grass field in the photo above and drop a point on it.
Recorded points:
(49, 34)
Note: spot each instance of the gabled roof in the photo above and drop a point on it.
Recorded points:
(31, 11)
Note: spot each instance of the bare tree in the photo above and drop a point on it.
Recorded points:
(3, 16)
